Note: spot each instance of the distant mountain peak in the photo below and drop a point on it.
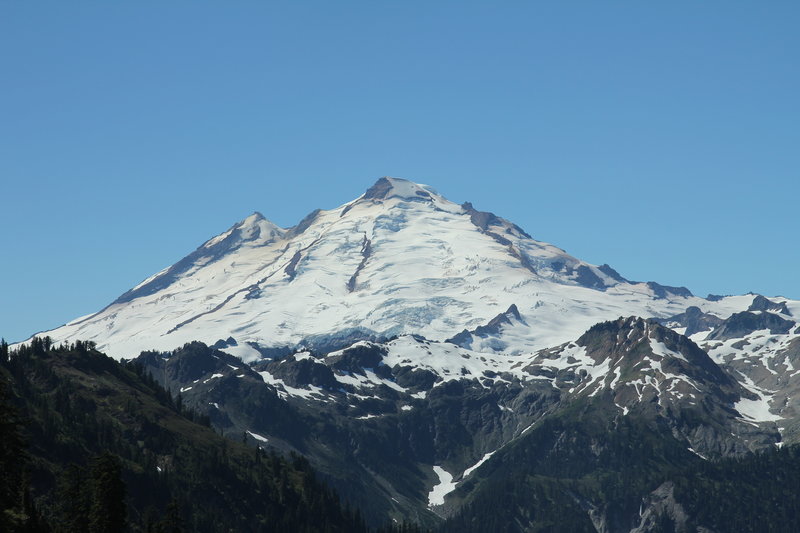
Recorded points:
(254, 217)
(388, 187)
(254, 228)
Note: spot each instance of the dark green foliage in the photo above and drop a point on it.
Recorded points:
(112, 451)
(404, 527)
(759, 492)
(17, 510)
(172, 523)
(72, 500)
(107, 513)
(583, 461)
(11, 450)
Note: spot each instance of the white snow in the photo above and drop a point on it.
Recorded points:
(446, 360)
(368, 380)
(441, 489)
(471, 469)
(257, 436)
(660, 349)
(701, 456)
(756, 410)
(311, 393)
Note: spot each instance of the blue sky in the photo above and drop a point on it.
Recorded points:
(659, 138)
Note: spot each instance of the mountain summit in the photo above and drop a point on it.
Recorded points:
(398, 259)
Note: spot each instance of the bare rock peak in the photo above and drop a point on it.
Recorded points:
(388, 187)
(303, 224)
(379, 190)
(760, 303)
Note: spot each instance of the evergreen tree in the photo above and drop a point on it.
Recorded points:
(172, 522)
(107, 513)
(12, 459)
(160, 454)
(73, 501)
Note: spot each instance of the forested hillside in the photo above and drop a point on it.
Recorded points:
(583, 470)
(88, 444)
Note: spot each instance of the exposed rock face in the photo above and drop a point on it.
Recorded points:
(665, 291)
(379, 190)
(659, 503)
(303, 372)
(742, 324)
(761, 303)
(610, 272)
(493, 328)
(694, 320)
(652, 371)
(357, 358)
(484, 220)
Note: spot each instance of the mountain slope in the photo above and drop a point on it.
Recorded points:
(76, 403)
(398, 426)
(399, 259)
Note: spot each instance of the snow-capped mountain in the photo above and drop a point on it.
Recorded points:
(412, 347)
(400, 259)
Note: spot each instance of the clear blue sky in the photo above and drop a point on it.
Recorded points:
(661, 138)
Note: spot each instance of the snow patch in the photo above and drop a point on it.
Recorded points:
(284, 391)
(660, 349)
(471, 469)
(441, 489)
(756, 410)
(257, 436)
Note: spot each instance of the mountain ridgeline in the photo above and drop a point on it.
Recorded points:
(408, 363)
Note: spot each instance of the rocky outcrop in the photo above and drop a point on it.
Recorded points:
(741, 324)
(493, 327)
(761, 303)
(658, 504)
(694, 320)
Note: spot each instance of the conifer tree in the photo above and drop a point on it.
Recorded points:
(172, 522)
(12, 456)
(73, 500)
(107, 513)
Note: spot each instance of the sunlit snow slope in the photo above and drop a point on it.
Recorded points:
(398, 259)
